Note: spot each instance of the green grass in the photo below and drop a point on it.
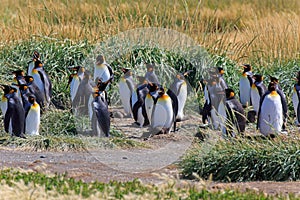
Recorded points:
(245, 160)
(58, 185)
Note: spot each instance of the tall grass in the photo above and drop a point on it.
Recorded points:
(245, 31)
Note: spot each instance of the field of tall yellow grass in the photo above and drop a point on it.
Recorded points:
(246, 31)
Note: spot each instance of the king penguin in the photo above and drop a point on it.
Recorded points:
(74, 80)
(235, 121)
(32, 117)
(126, 88)
(138, 103)
(150, 75)
(179, 88)
(14, 119)
(101, 115)
(102, 70)
(271, 111)
(296, 99)
(34, 89)
(163, 113)
(149, 100)
(258, 89)
(245, 84)
(41, 78)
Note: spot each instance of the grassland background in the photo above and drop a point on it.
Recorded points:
(264, 33)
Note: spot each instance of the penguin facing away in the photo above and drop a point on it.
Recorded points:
(138, 108)
(32, 117)
(126, 88)
(235, 114)
(271, 111)
(101, 115)
(258, 89)
(245, 84)
(14, 119)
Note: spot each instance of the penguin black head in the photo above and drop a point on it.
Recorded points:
(28, 79)
(272, 86)
(229, 93)
(247, 67)
(38, 64)
(31, 99)
(150, 67)
(142, 79)
(18, 73)
(258, 77)
(127, 72)
(221, 70)
(36, 55)
(101, 85)
(23, 87)
(8, 89)
(75, 69)
(274, 79)
(152, 87)
(100, 59)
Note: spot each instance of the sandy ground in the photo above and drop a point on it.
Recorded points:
(146, 164)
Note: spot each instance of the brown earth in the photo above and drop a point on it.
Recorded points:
(88, 166)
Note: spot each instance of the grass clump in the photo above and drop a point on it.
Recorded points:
(36, 184)
(245, 160)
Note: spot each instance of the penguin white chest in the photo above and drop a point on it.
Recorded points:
(33, 120)
(74, 87)
(102, 72)
(125, 94)
(163, 113)
(255, 98)
(3, 105)
(295, 100)
(271, 115)
(182, 96)
(149, 106)
(245, 88)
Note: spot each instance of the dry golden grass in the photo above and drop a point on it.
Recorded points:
(252, 30)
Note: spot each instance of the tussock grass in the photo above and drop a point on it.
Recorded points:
(236, 160)
(36, 185)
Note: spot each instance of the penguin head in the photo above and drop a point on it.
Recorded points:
(247, 68)
(150, 67)
(152, 87)
(23, 87)
(142, 80)
(258, 78)
(274, 79)
(229, 93)
(35, 56)
(31, 99)
(221, 71)
(100, 59)
(127, 72)
(18, 73)
(28, 79)
(38, 64)
(101, 86)
(7, 89)
(272, 86)
(74, 68)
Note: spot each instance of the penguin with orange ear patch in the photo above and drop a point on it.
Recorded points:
(32, 117)
(235, 114)
(245, 85)
(271, 111)
(14, 119)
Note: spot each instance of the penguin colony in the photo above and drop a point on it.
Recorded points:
(266, 105)
(147, 102)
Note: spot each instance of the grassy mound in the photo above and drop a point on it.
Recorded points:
(36, 185)
(245, 160)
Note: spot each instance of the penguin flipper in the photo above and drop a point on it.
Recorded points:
(174, 101)
(284, 103)
(259, 110)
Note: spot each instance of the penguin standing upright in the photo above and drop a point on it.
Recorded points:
(126, 88)
(235, 114)
(179, 88)
(258, 89)
(34, 89)
(271, 111)
(74, 80)
(32, 117)
(41, 78)
(4, 101)
(245, 84)
(138, 103)
(150, 75)
(163, 113)
(101, 115)
(149, 100)
(102, 70)
(80, 103)
(296, 99)
(14, 118)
